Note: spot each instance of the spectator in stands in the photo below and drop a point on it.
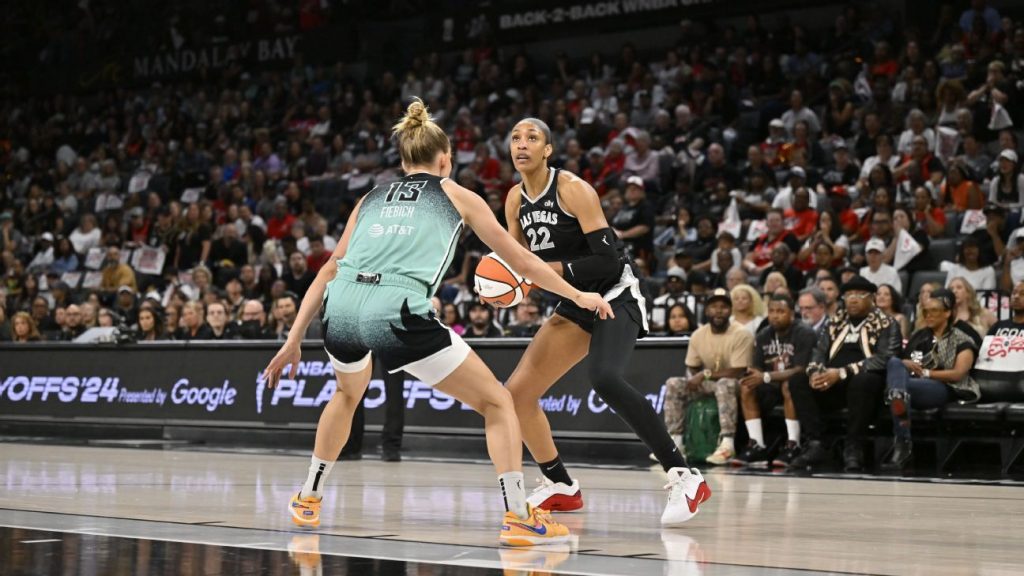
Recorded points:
(959, 192)
(1013, 262)
(781, 354)
(227, 253)
(221, 328)
(86, 236)
(192, 246)
(64, 257)
(812, 305)
(799, 112)
(927, 216)
(890, 301)
(718, 354)
(193, 325)
(451, 318)
(674, 291)
(847, 368)
(151, 326)
(919, 167)
(884, 156)
(286, 307)
(968, 309)
(782, 263)
(527, 319)
(747, 308)
(933, 370)
(760, 256)
(968, 266)
(634, 224)
(916, 127)
(877, 271)
(126, 304)
(298, 278)
(252, 322)
(43, 257)
(801, 219)
(73, 327)
(642, 161)
(774, 282)
(1007, 188)
(24, 329)
(734, 277)
(681, 321)
(481, 322)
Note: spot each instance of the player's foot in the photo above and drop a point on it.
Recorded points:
(537, 529)
(786, 456)
(556, 496)
(753, 455)
(305, 511)
(723, 453)
(684, 494)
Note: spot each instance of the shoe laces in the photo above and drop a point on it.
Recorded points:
(543, 483)
(541, 515)
(675, 488)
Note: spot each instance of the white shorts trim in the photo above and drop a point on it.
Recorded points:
(440, 364)
(351, 367)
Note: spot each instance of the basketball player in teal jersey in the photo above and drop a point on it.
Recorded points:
(559, 217)
(399, 241)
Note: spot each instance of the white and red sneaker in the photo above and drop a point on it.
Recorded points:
(703, 491)
(684, 495)
(556, 496)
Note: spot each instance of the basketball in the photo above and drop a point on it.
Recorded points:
(497, 284)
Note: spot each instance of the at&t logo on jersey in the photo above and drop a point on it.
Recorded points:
(376, 231)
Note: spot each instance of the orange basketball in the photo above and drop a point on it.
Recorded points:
(498, 284)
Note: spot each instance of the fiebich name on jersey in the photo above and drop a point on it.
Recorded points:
(397, 211)
(539, 217)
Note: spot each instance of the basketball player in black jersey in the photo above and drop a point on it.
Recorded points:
(558, 217)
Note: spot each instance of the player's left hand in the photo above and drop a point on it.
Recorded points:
(288, 356)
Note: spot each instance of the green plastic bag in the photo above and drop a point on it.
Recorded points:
(701, 434)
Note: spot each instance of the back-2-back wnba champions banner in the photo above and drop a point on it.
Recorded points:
(215, 384)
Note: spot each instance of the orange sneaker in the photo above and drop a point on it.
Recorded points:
(305, 511)
(537, 529)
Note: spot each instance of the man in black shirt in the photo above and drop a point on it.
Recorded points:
(781, 354)
(481, 322)
(634, 223)
(297, 277)
(847, 368)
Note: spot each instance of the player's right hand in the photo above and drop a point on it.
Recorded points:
(287, 357)
(594, 301)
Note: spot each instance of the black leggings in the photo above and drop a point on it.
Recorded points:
(611, 346)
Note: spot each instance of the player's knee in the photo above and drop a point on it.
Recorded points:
(605, 382)
(497, 400)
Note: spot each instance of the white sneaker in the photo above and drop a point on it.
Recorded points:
(678, 439)
(683, 496)
(556, 496)
(723, 454)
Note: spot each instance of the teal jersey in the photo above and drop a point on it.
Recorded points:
(408, 227)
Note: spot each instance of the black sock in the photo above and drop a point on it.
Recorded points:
(555, 471)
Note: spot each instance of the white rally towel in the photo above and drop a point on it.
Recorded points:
(906, 249)
(973, 220)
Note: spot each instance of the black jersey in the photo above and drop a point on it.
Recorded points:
(555, 235)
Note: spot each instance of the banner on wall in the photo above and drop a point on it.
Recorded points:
(215, 385)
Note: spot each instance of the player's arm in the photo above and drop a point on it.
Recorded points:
(581, 200)
(477, 214)
(512, 203)
(291, 350)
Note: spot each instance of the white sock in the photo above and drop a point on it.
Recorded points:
(514, 493)
(755, 431)
(727, 443)
(315, 478)
(793, 430)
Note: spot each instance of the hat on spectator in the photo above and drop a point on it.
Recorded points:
(635, 181)
(698, 278)
(876, 244)
(596, 150)
(676, 272)
(136, 212)
(587, 116)
(858, 283)
(776, 123)
(5, 216)
(1008, 155)
(46, 236)
(125, 288)
(798, 172)
(840, 145)
(719, 294)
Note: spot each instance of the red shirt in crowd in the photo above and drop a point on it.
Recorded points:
(802, 223)
(278, 228)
